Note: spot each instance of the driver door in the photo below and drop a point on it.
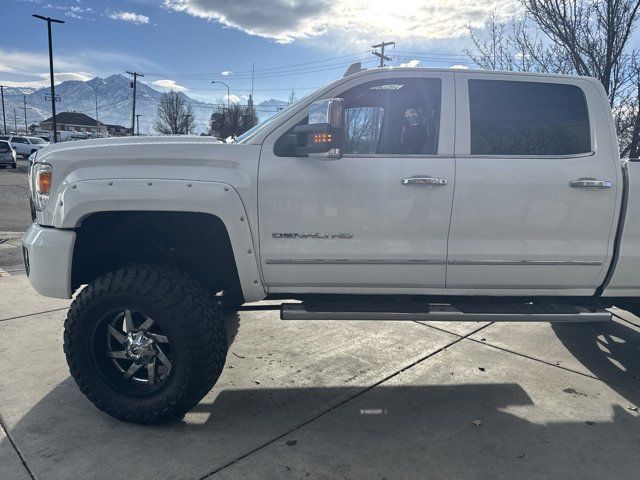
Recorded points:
(364, 222)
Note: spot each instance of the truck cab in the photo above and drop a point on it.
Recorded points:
(396, 193)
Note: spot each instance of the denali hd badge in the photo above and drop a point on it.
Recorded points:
(313, 235)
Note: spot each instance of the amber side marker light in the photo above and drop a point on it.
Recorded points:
(44, 182)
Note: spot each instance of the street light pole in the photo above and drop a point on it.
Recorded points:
(53, 91)
(228, 94)
(4, 117)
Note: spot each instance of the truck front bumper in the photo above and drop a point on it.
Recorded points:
(48, 256)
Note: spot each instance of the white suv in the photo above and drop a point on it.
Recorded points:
(25, 146)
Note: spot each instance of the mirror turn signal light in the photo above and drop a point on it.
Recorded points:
(322, 138)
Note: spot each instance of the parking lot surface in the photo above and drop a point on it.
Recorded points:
(343, 400)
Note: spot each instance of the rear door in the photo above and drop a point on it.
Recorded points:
(363, 222)
(537, 184)
(20, 145)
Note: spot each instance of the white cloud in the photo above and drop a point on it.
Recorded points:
(132, 17)
(21, 62)
(411, 63)
(64, 76)
(242, 99)
(363, 21)
(226, 72)
(459, 67)
(169, 85)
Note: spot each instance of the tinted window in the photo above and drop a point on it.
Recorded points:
(19, 140)
(398, 116)
(4, 147)
(527, 118)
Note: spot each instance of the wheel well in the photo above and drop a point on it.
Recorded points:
(197, 243)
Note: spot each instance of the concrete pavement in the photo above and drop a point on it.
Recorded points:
(354, 400)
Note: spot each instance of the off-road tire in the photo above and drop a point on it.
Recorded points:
(185, 311)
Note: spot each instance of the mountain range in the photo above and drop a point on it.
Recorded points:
(114, 103)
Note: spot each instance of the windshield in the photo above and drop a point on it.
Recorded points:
(269, 121)
(36, 140)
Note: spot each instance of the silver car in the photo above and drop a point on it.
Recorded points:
(7, 155)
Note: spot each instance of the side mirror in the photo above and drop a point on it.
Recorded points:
(325, 130)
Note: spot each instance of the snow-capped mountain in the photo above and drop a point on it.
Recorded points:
(114, 103)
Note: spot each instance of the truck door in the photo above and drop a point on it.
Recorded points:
(375, 220)
(537, 184)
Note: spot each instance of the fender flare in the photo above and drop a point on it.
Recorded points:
(76, 201)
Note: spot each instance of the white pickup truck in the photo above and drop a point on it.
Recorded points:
(391, 194)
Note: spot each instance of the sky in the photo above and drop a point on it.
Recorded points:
(184, 45)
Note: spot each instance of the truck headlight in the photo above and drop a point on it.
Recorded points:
(41, 174)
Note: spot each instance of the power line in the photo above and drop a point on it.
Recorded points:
(261, 70)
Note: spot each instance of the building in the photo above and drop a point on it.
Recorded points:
(75, 122)
(118, 131)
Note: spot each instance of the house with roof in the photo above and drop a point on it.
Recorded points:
(82, 123)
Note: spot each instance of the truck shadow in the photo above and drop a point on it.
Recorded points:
(389, 432)
(609, 350)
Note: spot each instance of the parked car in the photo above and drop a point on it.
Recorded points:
(7, 155)
(390, 194)
(26, 145)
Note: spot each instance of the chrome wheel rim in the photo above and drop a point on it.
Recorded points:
(138, 349)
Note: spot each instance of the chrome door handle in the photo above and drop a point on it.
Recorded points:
(423, 180)
(590, 183)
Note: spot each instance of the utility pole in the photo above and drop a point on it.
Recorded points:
(53, 91)
(135, 76)
(253, 65)
(4, 117)
(95, 90)
(381, 54)
(138, 122)
(15, 120)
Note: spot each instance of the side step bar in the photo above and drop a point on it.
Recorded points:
(440, 312)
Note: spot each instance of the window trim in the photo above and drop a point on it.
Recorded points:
(399, 155)
(525, 157)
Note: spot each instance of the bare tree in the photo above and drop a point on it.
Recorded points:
(233, 120)
(582, 37)
(174, 115)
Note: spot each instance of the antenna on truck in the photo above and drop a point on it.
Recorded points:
(353, 68)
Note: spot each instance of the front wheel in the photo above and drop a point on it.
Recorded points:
(145, 343)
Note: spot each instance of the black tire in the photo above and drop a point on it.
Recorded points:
(14, 165)
(184, 312)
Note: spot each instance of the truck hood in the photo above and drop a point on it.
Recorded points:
(126, 142)
(180, 158)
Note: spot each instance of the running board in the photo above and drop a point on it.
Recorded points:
(470, 312)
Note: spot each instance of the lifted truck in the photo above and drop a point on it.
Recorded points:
(389, 194)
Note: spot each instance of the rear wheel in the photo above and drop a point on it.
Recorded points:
(145, 343)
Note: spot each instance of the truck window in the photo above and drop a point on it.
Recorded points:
(397, 116)
(527, 118)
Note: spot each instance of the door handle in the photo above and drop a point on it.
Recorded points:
(590, 183)
(423, 180)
